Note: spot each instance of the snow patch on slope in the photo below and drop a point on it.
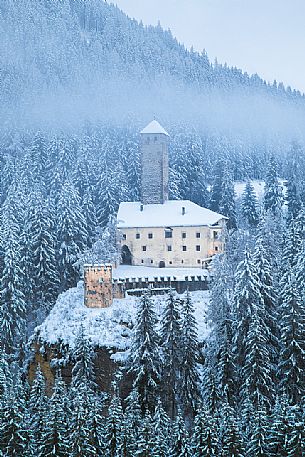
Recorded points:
(106, 327)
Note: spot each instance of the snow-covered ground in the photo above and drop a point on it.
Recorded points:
(106, 327)
(258, 185)
(131, 271)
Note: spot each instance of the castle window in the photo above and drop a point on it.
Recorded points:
(168, 234)
(143, 248)
(137, 236)
(183, 248)
(169, 248)
(198, 235)
(170, 262)
(151, 261)
(216, 248)
(183, 234)
(150, 235)
(197, 247)
(199, 261)
(142, 261)
(215, 235)
(155, 138)
(124, 236)
(181, 261)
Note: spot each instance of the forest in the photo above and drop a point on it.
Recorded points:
(72, 103)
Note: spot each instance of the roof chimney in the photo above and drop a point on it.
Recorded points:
(183, 210)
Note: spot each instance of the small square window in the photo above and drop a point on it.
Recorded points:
(198, 247)
(216, 248)
(183, 235)
(169, 248)
(151, 261)
(142, 261)
(168, 234)
(184, 248)
(137, 236)
(143, 248)
(170, 262)
(215, 235)
(199, 261)
(150, 235)
(181, 261)
(198, 235)
(124, 236)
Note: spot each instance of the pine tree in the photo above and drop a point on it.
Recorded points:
(227, 202)
(82, 355)
(216, 192)
(114, 427)
(171, 349)
(13, 432)
(161, 438)
(54, 439)
(180, 439)
(249, 205)
(292, 361)
(257, 445)
(204, 439)
(145, 443)
(277, 436)
(231, 439)
(296, 438)
(144, 361)
(292, 200)
(42, 242)
(72, 235)
(273, 193)
(189, 390)
(37, 408)
(13, 307)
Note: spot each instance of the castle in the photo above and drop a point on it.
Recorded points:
(157, 232)
(160, 232)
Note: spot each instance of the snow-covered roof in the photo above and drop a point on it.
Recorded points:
(154, 127)
(168, 214)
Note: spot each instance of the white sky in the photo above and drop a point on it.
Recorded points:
(259, 36)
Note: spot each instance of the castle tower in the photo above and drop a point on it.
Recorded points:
(154, 161)
(98, 286)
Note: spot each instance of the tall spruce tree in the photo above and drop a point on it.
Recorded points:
(144, 362)
(249, 205)
(171, 340)
(273, 193)
(190, 380)
(204, 438)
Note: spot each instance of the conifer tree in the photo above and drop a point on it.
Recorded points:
(204, 439)
(249, 205)
(144, 361)
(55, 440)
(273, 193)
(145, 443)
(72, 235)
(231, 438)
(292, 200)
(37, 407)
(227, 202)
(292, 361)
(278, 433)
(189, 390)
(180, 439)
(42, 242)
(14, 437)
(83, 368)
(161, 437)
(114, 427)
(171, 348)
(257, 446)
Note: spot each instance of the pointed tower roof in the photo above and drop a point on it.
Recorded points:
(154, 127)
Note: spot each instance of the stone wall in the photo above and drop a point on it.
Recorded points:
(157, 245)
(98, 286)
